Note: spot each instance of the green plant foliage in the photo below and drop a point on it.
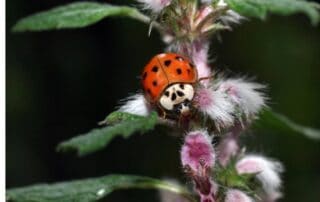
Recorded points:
(125, 125)
(260, 8)
(75, 15)
(89, 190)
(117, 116)
(277, 121)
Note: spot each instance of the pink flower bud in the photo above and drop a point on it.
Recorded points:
(155, 5)
(199, 55)
(203, 13)
(267, 172)
(227, 148)
(229, 145)
(216, 105)
(246, 95)
(197, 151)
(234, 195)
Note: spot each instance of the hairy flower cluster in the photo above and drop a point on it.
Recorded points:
(230, 100)
(224, 107)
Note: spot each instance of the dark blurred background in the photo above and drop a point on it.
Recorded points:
(61, 83)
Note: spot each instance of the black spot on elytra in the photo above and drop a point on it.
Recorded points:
(179, 71)
(173, 96)
(144, 75)
(180, 93)
(154, 83)
(149, 91)
(179, 58)
(167, 63)
(189, 71)
(167, 93)
(181, 86)
(155, 69)
(191, 65)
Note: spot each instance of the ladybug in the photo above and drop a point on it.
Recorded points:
(168, 82)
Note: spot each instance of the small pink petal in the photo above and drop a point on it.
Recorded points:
(235, 195)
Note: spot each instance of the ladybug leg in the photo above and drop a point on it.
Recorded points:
(164, 114)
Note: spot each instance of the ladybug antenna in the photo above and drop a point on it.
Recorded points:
(205, 78)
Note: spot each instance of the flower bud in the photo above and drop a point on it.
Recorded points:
(234, 195)
(267, 172)
(216, 105)
(227, 148)
(155, 5)
(246, 95)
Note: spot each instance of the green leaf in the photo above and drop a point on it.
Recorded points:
(124, 125)
(277, 121)
(75, 15)
(89, 190)
(117, 116)
(260, 8)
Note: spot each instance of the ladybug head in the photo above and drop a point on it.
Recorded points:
(176, 99)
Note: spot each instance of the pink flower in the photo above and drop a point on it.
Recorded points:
(198, 158)
(234, 195)
(197, 151)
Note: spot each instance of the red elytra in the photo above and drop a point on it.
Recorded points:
(166, 69)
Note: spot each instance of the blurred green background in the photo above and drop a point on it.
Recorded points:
(61, 83)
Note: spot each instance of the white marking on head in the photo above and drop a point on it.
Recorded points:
(176, 94)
